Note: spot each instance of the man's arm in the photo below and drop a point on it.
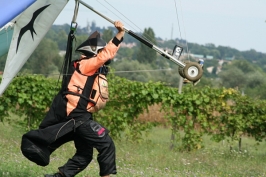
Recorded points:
(121, 32)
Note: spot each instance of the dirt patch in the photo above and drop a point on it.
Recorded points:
(153, 115)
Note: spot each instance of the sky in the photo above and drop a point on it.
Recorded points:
(239, 24)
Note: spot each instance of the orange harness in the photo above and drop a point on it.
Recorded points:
(87, 93)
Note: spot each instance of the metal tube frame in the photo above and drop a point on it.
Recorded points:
(141, 39)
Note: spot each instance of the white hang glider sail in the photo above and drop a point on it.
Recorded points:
(8, 13)
(29, 29)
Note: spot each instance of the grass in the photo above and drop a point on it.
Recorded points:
(150, 158)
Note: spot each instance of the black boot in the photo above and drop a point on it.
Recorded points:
(54, 175)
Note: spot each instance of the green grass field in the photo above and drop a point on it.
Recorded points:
(150, 158)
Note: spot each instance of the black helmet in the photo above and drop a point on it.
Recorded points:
(92, 45)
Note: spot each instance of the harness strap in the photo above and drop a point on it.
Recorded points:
(67, 60)
(69, 49)
(75, 12)
(80, 95)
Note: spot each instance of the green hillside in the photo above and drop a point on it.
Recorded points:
(223, 67)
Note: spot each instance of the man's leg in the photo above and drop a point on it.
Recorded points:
(59, 142)
(104, 144)
(81, 159)
(88, 136)
(106, 157)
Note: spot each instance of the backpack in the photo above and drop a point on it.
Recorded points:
(94, 93)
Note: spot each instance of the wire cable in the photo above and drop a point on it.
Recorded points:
(146, 36)
(184, 28)
(125, 17)
(178, 20)
(114, 72)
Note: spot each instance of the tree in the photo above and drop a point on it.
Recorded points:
(45, 59)
(78, 40)
(246, 76)
(107, 35)
(244, 66)
(233, 77)
(215, 53)
(146, 54)
(129, 69)
(125, 53)
(60, 36)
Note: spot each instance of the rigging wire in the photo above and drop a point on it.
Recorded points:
(184, 28)
(114, 72)
(186, 44)
(147, 37)
(178, 20)
(181, 78)
(131, 22)
(177, 16)
(124, 17)
(145, 70)
(113, 12)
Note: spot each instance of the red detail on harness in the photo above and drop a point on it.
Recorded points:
(101, 131)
